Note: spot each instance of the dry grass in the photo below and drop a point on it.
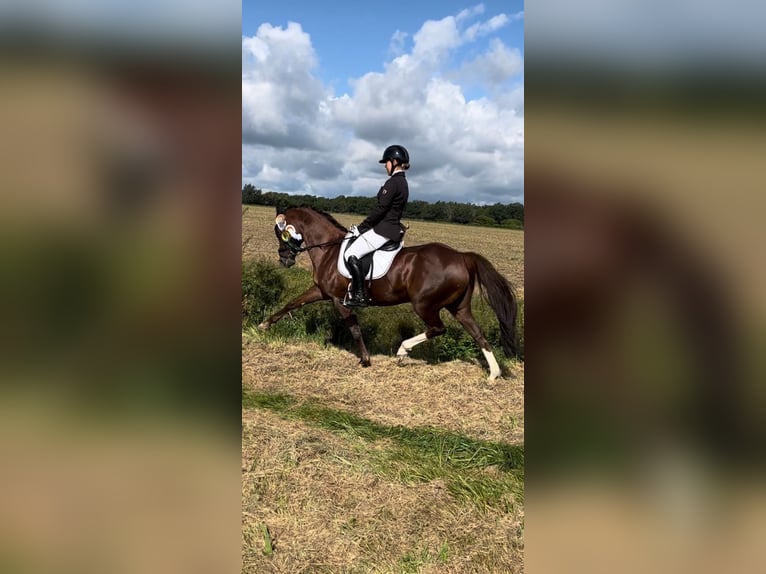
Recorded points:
(352, 496)
(325, 503)
(452, 395)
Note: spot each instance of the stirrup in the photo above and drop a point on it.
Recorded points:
(351, 301)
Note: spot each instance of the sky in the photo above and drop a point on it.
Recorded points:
(326, 86)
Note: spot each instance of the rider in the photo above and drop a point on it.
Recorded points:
(383, 224)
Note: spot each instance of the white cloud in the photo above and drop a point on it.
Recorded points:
(484, 28)
(494, 67)
(280, 95)
(435, 38)
(299, 137)
(397, 42)
(470, 12)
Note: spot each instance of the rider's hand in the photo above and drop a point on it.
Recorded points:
(354, 231)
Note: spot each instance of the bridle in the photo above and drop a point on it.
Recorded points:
(296, 247)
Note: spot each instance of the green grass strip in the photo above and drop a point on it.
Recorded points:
(419, 454)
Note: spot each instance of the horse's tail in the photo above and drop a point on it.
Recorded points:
(499, 292)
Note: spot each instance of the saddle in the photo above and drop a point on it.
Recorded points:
(376, 264)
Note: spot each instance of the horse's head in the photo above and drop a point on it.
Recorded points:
(289, 241)
(299, 224)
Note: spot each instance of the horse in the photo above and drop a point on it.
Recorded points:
(431, 277)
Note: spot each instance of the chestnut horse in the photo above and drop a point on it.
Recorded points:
(432, 277)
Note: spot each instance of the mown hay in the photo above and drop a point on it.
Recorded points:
(321, 494)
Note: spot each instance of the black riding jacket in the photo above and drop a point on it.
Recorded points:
(385, 219)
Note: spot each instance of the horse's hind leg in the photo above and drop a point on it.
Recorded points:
(435, 328)
(349, 317)
(462, 312)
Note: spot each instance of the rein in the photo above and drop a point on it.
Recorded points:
(296, 248)
(325, 244)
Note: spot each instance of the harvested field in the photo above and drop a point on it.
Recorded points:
(412, 468)
(334, 497)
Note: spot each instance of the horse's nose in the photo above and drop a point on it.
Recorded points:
(287, 262)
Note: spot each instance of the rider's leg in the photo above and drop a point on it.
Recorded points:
(367, 242)
(356, 296)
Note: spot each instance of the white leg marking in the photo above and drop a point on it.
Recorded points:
(494, 368)
(407, 345)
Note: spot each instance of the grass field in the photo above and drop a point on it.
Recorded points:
(413, 468)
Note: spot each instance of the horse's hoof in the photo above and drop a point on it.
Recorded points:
(365, 362)
(264, 326)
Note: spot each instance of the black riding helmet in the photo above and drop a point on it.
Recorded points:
(395, 152)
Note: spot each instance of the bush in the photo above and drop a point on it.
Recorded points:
(512, 224)
(485, 220)
(262, 289)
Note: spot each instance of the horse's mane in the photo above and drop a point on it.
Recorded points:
(327, 216)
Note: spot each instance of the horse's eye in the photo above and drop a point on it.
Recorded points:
(285, 236)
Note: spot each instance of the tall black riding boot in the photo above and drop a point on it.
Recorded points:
(356, 297)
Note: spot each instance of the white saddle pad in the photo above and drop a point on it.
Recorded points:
(381, 261)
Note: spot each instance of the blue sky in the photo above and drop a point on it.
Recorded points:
(327, 85)
(352, 39)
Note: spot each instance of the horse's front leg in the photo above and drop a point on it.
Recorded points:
(310, 295)
(349, 317)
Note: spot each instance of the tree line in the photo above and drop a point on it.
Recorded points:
(497, 215)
